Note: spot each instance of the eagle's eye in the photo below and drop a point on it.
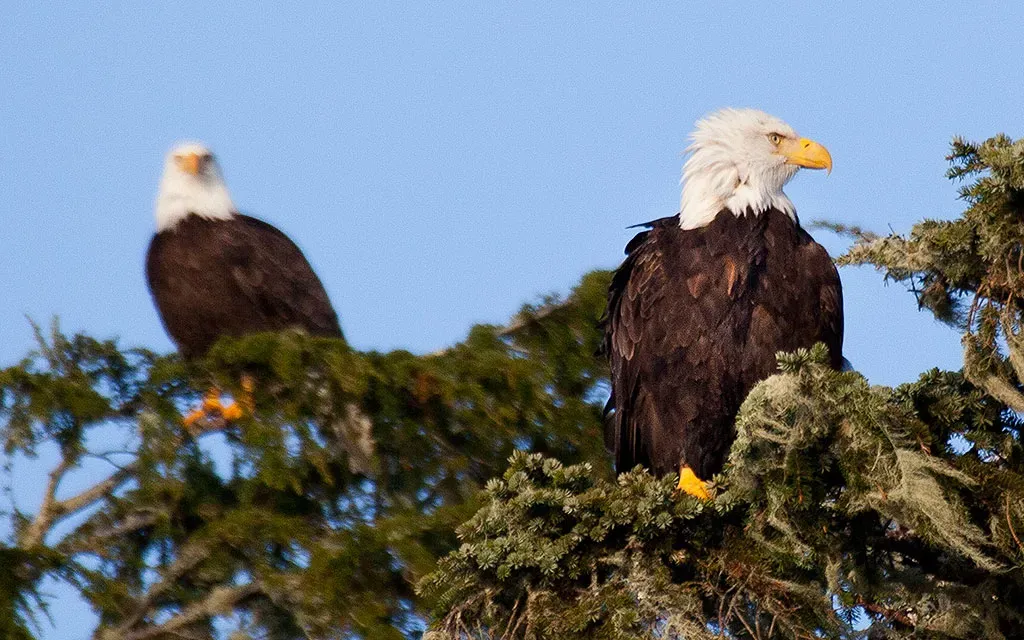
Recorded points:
(774, 138)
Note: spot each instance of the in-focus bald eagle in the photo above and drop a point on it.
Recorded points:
(213, 272)
(705, 298)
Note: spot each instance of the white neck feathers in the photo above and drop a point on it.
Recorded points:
(707, 190)
(731, 167)
(182, 194)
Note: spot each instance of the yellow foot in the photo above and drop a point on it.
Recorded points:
(691, 484)
(193, 419)
(211, 404)
(231, 412)
(212, 408)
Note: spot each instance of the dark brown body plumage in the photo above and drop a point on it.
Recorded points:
(695, 318)
(213, 278)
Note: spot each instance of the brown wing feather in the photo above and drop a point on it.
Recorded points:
(279, 280)
(211, 278)
(695, 319)
(815, 259)
(657, 356)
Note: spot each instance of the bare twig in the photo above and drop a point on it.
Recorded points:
(52, 511)
(522, 320)
(891, 614)
(129, 524)
(48, 510)
(1009, 523)
(220, 600)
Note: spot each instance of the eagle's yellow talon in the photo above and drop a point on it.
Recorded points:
(691, 484)
(211, 403)
(191, 419)
(212, 408)
(231, 412)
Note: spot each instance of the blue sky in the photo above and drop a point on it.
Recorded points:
(441, 163)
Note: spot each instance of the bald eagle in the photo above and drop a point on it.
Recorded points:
(213, 272)
(705, 298)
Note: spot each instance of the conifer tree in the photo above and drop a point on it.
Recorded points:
(369, 495)
(342, 488)
(845, 510)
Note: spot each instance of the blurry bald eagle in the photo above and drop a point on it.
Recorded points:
(213, 272)
(705, 298)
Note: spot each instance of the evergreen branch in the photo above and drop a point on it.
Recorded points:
(996, 387)
(838, 495)
(1015, 352)
(70, 506)
(824, 471)
(850, 231)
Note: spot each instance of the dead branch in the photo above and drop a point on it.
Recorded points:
(220, 600)
(523, 319)
(131, 523)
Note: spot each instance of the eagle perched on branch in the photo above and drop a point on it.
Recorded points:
(706, 298)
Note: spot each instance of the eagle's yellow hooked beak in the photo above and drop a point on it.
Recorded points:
(806, 153)
(190, 162)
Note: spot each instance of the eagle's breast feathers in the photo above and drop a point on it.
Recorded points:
(695, 319)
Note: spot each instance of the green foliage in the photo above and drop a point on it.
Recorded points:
(363, 495)
(345, 483)
(20, 599)
(842, 504)
(831, 503)
(968, 269)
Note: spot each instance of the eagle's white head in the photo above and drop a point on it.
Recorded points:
(740, 159)
(191, 184)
